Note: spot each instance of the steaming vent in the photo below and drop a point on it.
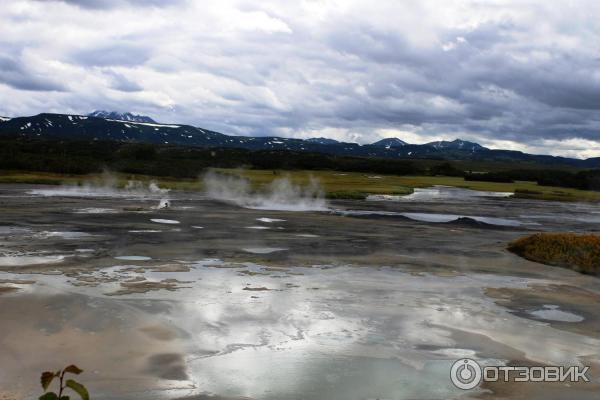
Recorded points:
(280, 195)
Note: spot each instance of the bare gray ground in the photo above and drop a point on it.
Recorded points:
(212, 300)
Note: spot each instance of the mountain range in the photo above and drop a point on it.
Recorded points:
(127, 127)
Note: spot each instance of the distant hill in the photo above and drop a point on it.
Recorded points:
(120, 127)
(390, 143)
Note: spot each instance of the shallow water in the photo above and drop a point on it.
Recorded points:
(133, 258)
(96, 210)
(63, 235)
(263, 250)
(428, 217)
(552, 313)
(433, 217)
(447, 193)
(164, 221)
(22, 260)
(269, 220)
(334, 333)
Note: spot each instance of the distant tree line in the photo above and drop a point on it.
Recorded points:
(585, 180)
(83, 157)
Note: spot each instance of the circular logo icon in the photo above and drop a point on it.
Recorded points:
(465, 374)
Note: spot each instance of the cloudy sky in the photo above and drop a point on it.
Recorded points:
(521, 75)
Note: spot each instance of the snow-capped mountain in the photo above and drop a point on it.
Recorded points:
(390, 143)
(457, 144)
(127, 116)
(4, 119)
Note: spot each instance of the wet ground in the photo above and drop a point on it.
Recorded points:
(358, 300)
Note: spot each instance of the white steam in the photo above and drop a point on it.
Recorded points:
(281, 194)
(107, 186)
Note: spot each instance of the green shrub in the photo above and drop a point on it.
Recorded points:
(578, 252)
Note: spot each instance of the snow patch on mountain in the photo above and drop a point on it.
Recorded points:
(129, 123)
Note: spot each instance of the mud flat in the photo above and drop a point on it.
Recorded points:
(351, 300)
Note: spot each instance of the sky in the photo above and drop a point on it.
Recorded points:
(520, 75)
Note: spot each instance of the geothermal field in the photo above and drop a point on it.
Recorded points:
(230, 294)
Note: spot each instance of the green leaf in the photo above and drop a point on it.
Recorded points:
(46, 379)
(79, 388)
(48, 396)
(65, 398)
(73, 369)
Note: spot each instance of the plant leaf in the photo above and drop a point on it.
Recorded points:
(46, 379)
(65, 398)
(48, 396)
(73, 369)
(79, 388)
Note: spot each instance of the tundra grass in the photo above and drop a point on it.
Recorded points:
(578, 252)
(119, 179)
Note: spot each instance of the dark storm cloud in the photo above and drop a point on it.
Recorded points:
(14, 74)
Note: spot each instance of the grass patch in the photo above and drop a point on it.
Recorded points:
(120, 179)
(348, 195)
(555, 195)
(33, 178)
(569, 250)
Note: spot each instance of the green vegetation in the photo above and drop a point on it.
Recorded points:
(578, 252)
(48, 376)
(176, 167)
(554, 195)
(345, 194)
(337, 185)
(585, 180)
